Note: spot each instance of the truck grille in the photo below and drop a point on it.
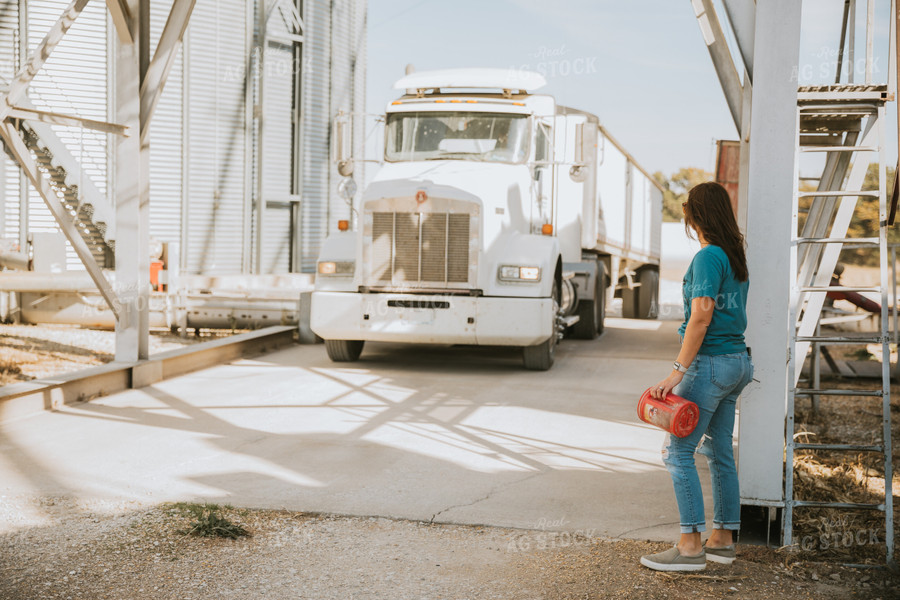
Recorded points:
(420, 248)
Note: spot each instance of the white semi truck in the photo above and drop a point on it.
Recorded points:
(498, 218)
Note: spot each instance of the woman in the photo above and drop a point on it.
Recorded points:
(711, 370)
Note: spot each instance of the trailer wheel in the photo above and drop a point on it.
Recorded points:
(540, 357)
(344, 350)
(648, 294)
(592, 312)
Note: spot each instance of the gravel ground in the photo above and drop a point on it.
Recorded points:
(35, 351)
(109, 552)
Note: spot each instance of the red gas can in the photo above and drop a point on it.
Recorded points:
(673, 413)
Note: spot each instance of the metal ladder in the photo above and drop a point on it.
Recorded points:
(845, 126)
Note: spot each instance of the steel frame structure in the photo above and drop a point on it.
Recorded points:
(140, 80)
(764, 108)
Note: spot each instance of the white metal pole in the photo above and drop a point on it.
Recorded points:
(770, 187)
(132, 194)
(870, 38)
(851, 42)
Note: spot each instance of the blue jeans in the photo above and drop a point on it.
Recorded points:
(714, 384)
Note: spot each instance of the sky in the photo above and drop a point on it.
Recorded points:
(641, 66)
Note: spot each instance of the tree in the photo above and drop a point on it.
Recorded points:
(865, 217)
(676, 188)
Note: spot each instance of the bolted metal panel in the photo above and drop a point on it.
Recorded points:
(166, 141)
(215, 76)
(74, 81)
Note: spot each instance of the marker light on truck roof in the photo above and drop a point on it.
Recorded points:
(547, 229)
(343, 225)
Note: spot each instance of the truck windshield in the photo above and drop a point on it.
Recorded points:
(488, 137)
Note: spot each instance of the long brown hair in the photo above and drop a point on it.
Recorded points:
(708, 210)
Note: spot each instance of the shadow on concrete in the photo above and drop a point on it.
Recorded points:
(444, 434)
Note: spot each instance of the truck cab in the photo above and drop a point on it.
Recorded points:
(456, 239)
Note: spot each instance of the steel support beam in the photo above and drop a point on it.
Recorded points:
(742, 16)
(744, 176)
(770, 187)
(17, 146)
(721, 56)
(132, 193)
(22, 80)
(121, 18)
(44, 116)
(163, 58)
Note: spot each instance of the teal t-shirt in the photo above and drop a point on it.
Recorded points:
(711, 276)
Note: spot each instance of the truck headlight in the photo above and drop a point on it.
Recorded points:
(336, 268)
(519, 273)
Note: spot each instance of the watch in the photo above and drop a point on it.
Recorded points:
(679, 367)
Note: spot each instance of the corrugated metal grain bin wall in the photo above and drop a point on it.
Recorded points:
(9, 173)
(334, 80)
(203, 156)
(167, 148)
(73, 81)
(216, 57)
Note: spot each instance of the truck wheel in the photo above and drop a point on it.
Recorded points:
(344, 350)
(648, 294)
(540, 357)
(630, 303)
(601, 296)
(591, 312)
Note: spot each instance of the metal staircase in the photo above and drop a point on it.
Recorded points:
(847, 122)
(90, 222)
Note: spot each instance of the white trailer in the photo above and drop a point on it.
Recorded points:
(497, 218)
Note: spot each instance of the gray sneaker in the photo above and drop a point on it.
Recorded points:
(673, 560)
(724, 555)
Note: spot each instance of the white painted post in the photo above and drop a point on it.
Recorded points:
(132, 194)
(770, 188)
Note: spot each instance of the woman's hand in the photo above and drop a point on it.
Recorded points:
(662, 389)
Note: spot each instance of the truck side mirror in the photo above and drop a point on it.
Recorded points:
(579, 143)
(342, 144)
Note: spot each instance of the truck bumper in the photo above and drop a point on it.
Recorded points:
(431, 319)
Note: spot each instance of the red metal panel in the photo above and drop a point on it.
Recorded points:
(728, 168)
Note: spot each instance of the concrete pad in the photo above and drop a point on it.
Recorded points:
(450, 434)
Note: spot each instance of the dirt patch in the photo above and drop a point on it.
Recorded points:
(145, 554)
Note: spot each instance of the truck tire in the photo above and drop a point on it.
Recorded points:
(344, 350)
(630, 302)
(592, 312)
(540, 357)
(602, 283)
(648, 294)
